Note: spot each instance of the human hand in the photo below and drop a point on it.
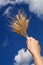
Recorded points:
(33, 46)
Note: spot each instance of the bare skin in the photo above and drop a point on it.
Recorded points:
(34, 47)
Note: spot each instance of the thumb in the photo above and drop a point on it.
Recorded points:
(28, 38)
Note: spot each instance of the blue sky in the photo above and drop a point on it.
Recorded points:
(11, 42)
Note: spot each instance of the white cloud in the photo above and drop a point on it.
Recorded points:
(33, 64)
(35, 6)
(20, 1)
(23, 57)
(4, 2)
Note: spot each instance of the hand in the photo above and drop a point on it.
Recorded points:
(33, 46)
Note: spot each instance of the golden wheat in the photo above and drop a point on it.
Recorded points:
(20, 25)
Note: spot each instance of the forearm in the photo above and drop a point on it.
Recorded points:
(38, 59)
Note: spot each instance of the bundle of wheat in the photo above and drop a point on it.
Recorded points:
(20, 25)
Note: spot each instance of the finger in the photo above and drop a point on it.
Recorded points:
(33, 39)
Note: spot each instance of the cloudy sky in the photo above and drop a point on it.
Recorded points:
(13, 49)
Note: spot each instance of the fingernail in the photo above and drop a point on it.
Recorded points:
(28, 38)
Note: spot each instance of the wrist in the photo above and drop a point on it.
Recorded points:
(38, 59)
(36, 55)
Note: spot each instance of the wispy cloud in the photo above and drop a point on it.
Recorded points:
(7, 11)
(23, 57)
(5, 43)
